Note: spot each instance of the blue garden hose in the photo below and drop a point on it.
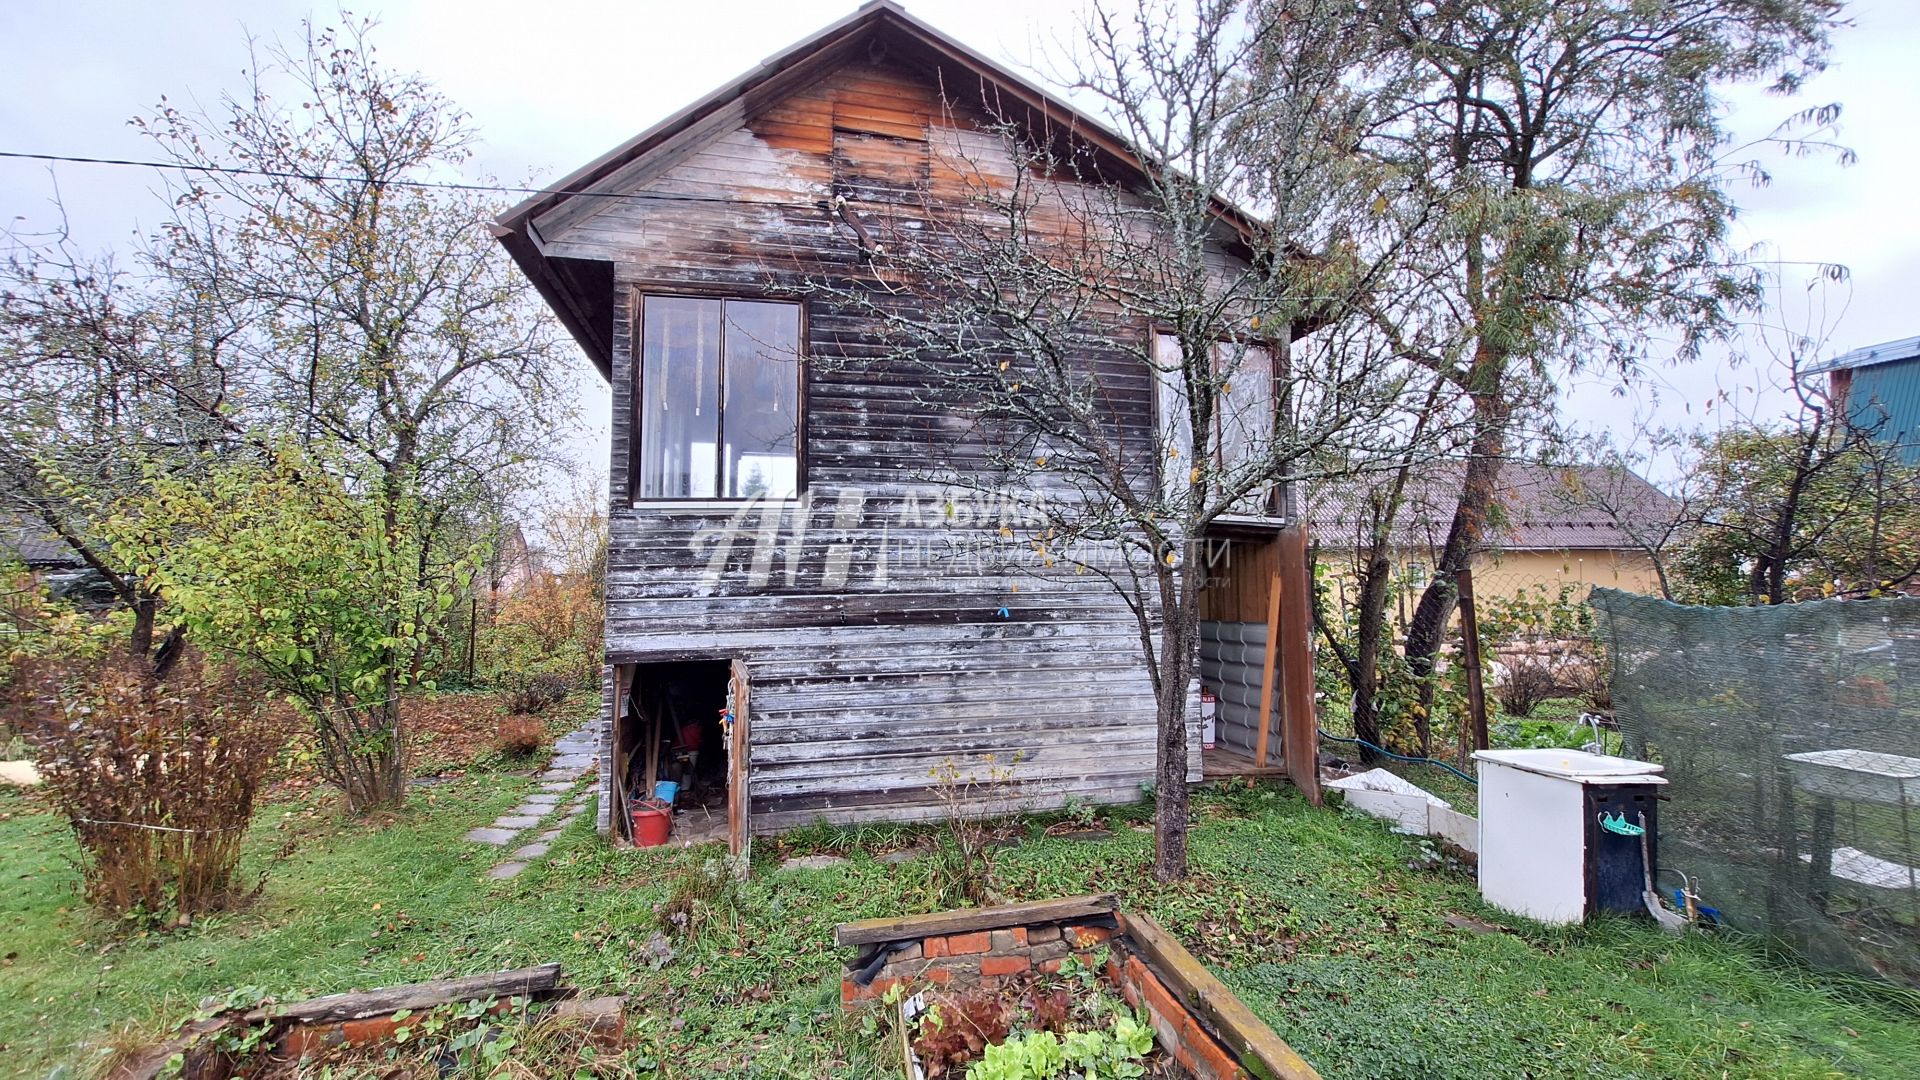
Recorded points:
(1400, 757)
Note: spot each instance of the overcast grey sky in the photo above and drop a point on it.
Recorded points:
(553, 83)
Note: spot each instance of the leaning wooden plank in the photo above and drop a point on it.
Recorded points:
(540, 981)
(1261, 1052)
(966, 920)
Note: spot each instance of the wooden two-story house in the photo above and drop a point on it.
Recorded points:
(781, 637)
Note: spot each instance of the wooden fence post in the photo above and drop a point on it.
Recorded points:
(1299, 727)
(1470, 650)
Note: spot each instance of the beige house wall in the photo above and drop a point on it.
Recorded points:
(1509, 572)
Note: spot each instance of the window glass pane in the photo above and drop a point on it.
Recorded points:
(1246, 408)
(1246, 414)
(1176, 427)
(679, 398)
(762, 400)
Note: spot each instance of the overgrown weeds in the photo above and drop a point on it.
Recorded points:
(536, 694)
(821, 836)
(962, 858)
(705, 897)
(156, 778)
(1530, 680)
(499, 1040)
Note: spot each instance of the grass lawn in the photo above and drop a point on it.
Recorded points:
(1332, 928)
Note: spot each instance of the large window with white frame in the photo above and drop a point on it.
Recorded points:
(717, 412)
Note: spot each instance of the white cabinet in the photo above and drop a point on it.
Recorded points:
(1543, 850)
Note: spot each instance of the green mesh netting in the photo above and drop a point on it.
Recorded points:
(1791, 737)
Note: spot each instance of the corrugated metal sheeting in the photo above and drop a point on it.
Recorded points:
(1232, 661)
(1888, 396)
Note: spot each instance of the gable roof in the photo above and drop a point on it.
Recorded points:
(27, 541)
(1541, 507)
(580, 291)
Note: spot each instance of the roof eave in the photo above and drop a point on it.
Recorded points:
(1887, 352)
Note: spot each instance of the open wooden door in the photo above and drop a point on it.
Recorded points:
(739, 834)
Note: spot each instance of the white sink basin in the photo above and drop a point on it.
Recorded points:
(1859, 775)
(1575, 765)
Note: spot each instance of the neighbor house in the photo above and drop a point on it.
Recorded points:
(785, 636)
(31, 544)
(1878, 388)
(1553, 527)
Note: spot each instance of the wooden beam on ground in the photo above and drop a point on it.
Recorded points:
(1470, 649)
(1299, 727)
(1266, 672)
(1260, 1050)
(541, 981)
(968, 920)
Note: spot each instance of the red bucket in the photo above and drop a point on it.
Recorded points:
(652, 822)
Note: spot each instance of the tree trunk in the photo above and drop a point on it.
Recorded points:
(1170, 758)
(1768, 582)
(140, 640)
(1465, 535)
(1178, 661)
(362, 752)
(374, 781)
(1372, 632)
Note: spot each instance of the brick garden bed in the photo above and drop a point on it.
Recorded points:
(365, 1019)
(1199, 1022)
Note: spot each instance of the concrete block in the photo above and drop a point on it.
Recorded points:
(1407, 813)
(1455, 827)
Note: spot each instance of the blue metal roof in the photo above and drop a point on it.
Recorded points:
(1883, 353)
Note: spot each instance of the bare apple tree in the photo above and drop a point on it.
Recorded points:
(1124, 319)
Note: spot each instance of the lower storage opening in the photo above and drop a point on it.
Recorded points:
(670, 730)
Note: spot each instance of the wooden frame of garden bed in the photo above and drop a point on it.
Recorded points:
(1206, 1028)
(368, 1016)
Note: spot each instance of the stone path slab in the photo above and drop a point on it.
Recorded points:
(576, 759)
(812, 862)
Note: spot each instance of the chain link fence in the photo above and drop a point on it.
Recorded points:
(1791, 737)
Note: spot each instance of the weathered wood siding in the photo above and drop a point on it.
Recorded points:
(876, 645)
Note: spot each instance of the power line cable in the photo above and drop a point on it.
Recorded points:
(445, 185)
